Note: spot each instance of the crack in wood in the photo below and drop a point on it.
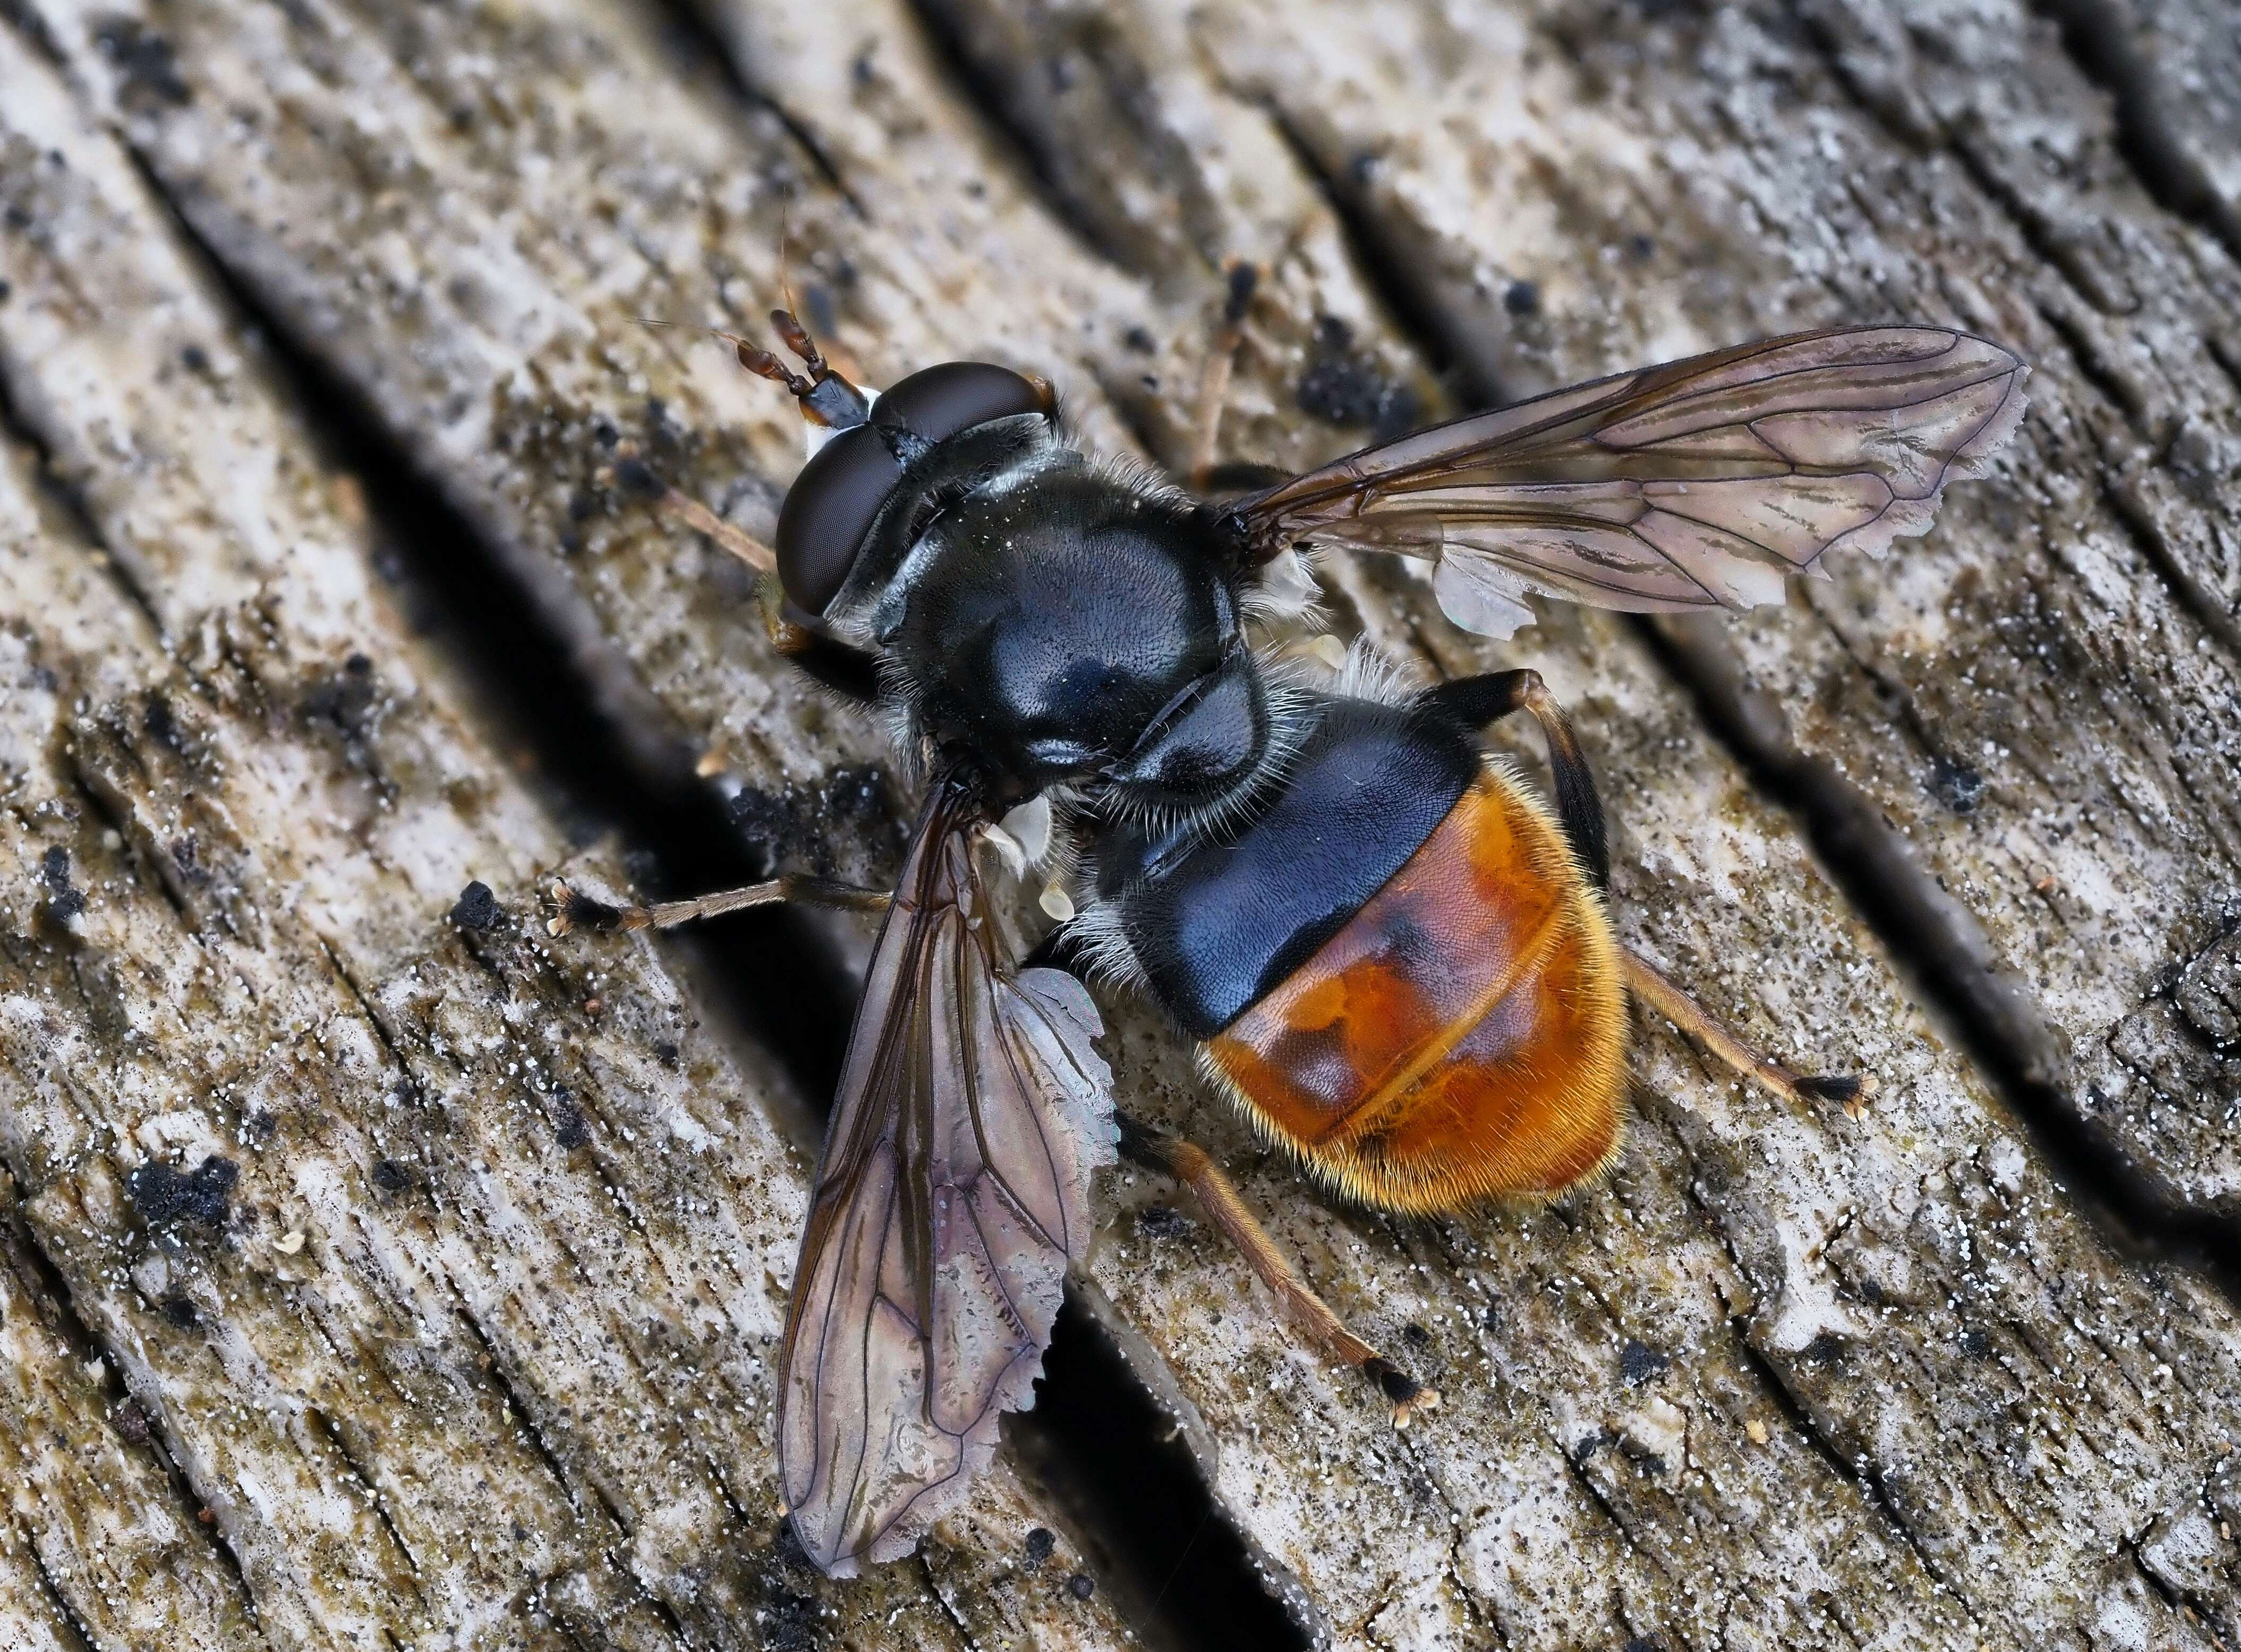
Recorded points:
(1928, 931)
(20, 1246)
(452, 556)
(487, 548)
(2169, 170)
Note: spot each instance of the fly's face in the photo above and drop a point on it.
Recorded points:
(1062, 625)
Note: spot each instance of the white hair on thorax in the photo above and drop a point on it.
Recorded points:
(1371, 673)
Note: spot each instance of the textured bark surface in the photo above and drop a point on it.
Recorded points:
(1963, 1369)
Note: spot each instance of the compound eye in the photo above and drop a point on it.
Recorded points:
(936, 402)
(828, 511)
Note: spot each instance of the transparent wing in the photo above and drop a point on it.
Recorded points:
(954, 1195)
(1701, 484)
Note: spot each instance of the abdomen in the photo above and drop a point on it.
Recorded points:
(1461, 1035)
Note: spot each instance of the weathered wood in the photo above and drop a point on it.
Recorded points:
(1557, 191)
(1785, 1380)
(469, 1345)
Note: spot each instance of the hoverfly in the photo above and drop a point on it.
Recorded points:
(1395, 958)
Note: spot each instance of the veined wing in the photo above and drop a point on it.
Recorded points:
(954, 1195)
(1701, 484)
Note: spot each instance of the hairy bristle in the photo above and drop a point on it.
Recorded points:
(1830, 1087)
(579, 911)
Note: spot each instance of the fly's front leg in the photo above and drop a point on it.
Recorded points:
(847, 671)
(850, 671)
(1662, 994)
(1310, 1316)
(573, 910)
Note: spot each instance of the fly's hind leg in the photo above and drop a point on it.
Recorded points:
(1661, 993)
(848, 671)
(1474, 702)
(1310, 1316)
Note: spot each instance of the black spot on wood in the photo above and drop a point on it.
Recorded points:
(1521, 298)
(186, 855)
(1243, 280)
(1040, 1542)
(150, 66)
(1081, 1585)
(344, 701)
(1345, 387)
(477, 908)
(765, 822)
(390, 1176)
(129, 1422)
(790, 1622)
(845, 816)
(1958, 786)
(1638, 1363)
(1825, 1349)
(635, 476)
(64, 903)
(1160, 1221)
(568, 1127)
(166, 1201)
(161, 725)
(180, 1311)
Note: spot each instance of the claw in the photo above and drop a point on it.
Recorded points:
(1852, 1089)
(573, 910)
(1402, 1392)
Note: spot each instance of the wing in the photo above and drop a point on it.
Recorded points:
(1701, 484)
(954, 1195)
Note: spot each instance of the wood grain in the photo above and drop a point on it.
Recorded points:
(1942, 1373)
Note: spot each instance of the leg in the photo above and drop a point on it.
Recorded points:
(636, 478)
(1659, 993)
(1171, 1155)
(701, 519)
(572, 911)
(1475, 702)
(849, 671)
(1213, 382)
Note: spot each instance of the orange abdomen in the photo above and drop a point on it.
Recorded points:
(1464, 1035)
